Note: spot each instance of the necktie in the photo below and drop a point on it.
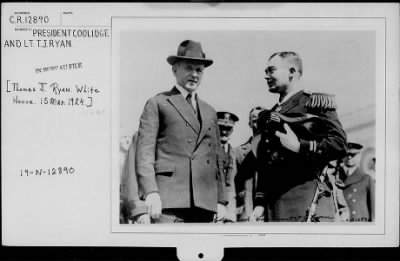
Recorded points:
(189, 100)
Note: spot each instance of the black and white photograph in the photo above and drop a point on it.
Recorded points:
(199, 127)
(247, 126)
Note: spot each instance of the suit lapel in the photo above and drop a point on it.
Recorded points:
(183, 108)
(353, 178)
(202, 111)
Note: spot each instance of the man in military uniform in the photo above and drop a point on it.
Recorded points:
(246, 176)
(226, 122)
(288, 186)
(359, 187)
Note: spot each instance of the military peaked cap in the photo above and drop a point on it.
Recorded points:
(227, 118)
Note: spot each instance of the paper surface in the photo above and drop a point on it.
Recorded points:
(75, 78)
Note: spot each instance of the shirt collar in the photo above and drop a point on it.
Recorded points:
(184, 92)
(225, 146)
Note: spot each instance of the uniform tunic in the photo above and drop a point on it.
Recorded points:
(229, 170)
(359, 192)
(287, 188)
(245, 180)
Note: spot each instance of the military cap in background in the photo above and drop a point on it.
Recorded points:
(227, 118)
(354, 146)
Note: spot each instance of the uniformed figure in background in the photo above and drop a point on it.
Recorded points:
(226, 123)
(246, 175)
(289, 185)
(332, 171)
(359, 187)
(133, 209)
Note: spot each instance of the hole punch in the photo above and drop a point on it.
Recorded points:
(201, 255)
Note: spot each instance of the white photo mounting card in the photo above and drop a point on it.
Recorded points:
(133, 125)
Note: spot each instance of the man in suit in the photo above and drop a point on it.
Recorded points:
(132, 207)
(177, 162)
(226, 123)
(245, 179)
(359, 187)
(287, 186)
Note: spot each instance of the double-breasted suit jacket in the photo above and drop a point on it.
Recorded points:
(359, 192)
(289, 186)
(177, 154)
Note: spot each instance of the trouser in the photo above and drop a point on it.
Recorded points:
(185, 215)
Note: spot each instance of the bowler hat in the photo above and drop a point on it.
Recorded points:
(226, 118)
(192, 51)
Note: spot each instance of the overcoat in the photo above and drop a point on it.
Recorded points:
(288, 187)
(359, 192)
(177, 153)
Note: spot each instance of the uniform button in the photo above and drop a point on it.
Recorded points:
(353, 212)
(209, 128)
(354, 190)
(354, 200)
(187, 124)
(189, 141)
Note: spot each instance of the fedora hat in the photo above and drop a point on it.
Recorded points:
(192, 51)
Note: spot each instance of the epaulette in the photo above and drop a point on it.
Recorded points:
(321, 101)
(308, 93)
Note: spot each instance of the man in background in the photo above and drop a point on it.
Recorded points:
(359, 187)
(246, 176)
(226, 123)
(132, 208)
